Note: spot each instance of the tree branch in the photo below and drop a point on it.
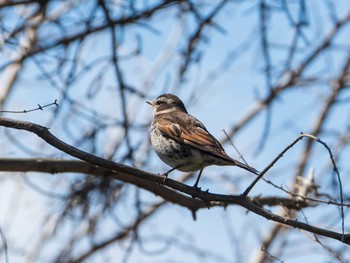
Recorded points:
(120, 170)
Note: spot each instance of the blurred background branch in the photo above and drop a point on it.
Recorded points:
(262, 70)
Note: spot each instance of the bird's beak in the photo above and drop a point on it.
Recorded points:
(150, 103)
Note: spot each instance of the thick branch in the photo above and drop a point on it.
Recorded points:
(120, 169)
(55, 166)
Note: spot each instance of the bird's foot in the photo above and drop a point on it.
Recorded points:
(196, 190)
(165, 174)
(164, 177)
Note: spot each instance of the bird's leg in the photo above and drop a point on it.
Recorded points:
(168, 172)
(195, 186)
(165, 175)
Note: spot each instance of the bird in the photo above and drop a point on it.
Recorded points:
(183, 142)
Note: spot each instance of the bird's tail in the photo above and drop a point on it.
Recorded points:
(246, 167)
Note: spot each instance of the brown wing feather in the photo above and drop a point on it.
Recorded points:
(191, 131)
(201, 139)
(187, 129)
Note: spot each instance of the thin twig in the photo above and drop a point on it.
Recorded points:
(305, 198)
(250, 187)
(4, 245)
(270, 255)
(336, 171)
(231, 143)
(335, 168)
(31, 110)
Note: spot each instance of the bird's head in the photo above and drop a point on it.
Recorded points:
(167, 103)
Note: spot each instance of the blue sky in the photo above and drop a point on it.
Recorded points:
(226, 84)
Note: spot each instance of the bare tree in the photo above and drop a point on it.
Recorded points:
(79, 179)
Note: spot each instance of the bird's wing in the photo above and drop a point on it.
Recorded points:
(189, 130)
(185, 128)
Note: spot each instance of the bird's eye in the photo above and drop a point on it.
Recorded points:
(158, 102)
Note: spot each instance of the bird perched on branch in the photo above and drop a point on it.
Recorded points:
(183, 142)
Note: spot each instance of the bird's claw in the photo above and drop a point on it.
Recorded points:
(197, 190)
(164, 177)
